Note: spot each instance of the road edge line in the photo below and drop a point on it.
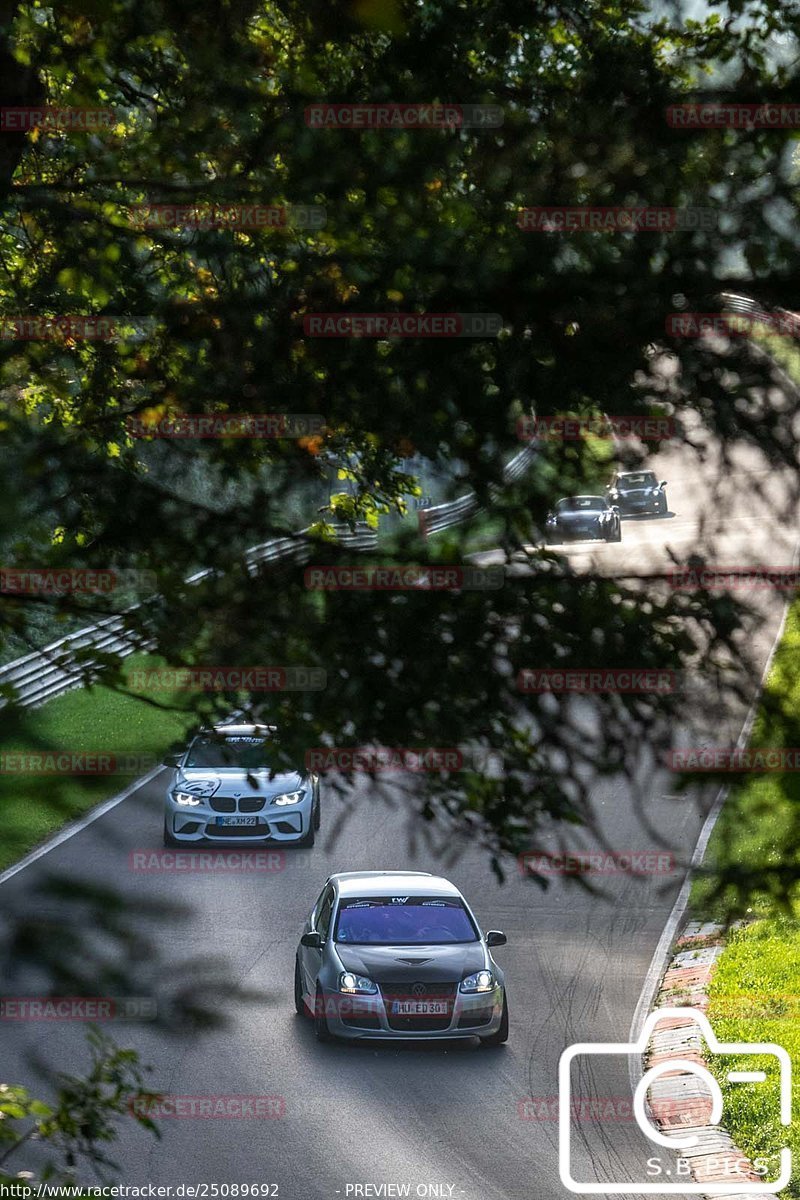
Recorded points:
(76, 826)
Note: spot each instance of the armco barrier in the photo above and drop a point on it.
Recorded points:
(442, 516)
(57, 668)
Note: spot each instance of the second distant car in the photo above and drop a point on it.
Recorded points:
(581, 519)
(227, 788)
(638, 492)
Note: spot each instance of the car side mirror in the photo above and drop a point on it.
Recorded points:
(171, 760)
(313, 940)
(663, 483)
(496, 938)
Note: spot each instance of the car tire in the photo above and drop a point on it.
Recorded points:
(617, 537)
(662, 506)
(317, 814)
(169, 840)
(321, 1029)
(499, 1038)
(299, 1002)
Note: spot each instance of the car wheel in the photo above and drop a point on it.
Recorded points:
(169, 840)
(617, 535)
(317, 813)
(320, 1020)
(662, 505)
(497, 1039)
(299, 1002)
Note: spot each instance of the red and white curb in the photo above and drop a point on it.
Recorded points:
(679, 1102)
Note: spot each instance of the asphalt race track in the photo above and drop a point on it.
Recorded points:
(373, 1114)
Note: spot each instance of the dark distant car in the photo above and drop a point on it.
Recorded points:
(581, 519)
(638, 492)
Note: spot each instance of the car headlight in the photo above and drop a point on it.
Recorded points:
(481, 981)
(288, 798)
(355, 985)
(187, 799)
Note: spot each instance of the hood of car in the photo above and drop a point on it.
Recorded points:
(408, 964)
(229, 781)
(587, 517)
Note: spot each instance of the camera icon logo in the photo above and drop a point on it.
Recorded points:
(675, 1142)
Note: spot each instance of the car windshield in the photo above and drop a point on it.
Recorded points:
(637, 479)
(581, 504)
(404, 921)
(237, 751)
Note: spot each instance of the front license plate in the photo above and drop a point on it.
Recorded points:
(421, 1008)
(237, 821)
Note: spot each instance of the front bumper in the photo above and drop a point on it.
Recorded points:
(273, 824)
(471, 1015)
(648, 504)
(594, 534)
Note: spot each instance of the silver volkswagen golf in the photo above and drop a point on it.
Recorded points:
(398, 954)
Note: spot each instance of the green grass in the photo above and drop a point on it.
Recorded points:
(33, 805)
(755, 997)
(755, 991)
(761, 816)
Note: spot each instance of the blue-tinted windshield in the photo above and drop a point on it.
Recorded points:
(403, 921)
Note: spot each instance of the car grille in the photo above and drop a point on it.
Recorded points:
(480, 1017)
(236, 831)
(225, 804)
(361, 1021)
(418, 1024)
(247, 804)
(251, 804)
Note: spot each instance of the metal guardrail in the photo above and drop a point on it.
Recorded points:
(55, 669)
(442, 516)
